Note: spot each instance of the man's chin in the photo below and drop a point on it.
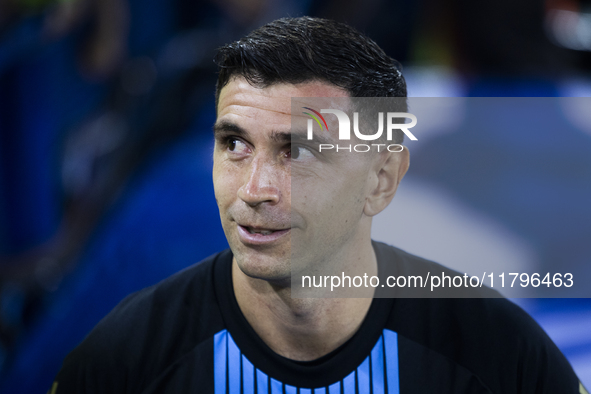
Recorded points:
(265, 267)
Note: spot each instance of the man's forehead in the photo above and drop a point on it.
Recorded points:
(278, 97)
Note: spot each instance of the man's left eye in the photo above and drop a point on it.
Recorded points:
(301, 153)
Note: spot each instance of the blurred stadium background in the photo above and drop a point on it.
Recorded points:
(106, 109)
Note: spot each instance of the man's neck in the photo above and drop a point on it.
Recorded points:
(301, 329)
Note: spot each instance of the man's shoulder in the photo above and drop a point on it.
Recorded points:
(481, 306)
(485, 334)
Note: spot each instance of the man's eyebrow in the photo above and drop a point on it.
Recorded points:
(223, 128)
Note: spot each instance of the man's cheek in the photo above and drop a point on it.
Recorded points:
(223, 186)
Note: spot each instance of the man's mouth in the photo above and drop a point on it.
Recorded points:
(260, 235)
(264, 232)
(254, 230)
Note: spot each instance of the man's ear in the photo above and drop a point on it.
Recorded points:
(390, 170)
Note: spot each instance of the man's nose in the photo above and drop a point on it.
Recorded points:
(262, 183)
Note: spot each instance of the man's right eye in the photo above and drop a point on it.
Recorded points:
(235, 145)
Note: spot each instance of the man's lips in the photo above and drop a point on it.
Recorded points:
(255, 235)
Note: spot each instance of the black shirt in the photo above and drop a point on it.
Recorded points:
(188, 335)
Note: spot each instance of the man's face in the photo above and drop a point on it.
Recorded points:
(273, 195)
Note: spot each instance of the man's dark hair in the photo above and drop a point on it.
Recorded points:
(296, 50)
